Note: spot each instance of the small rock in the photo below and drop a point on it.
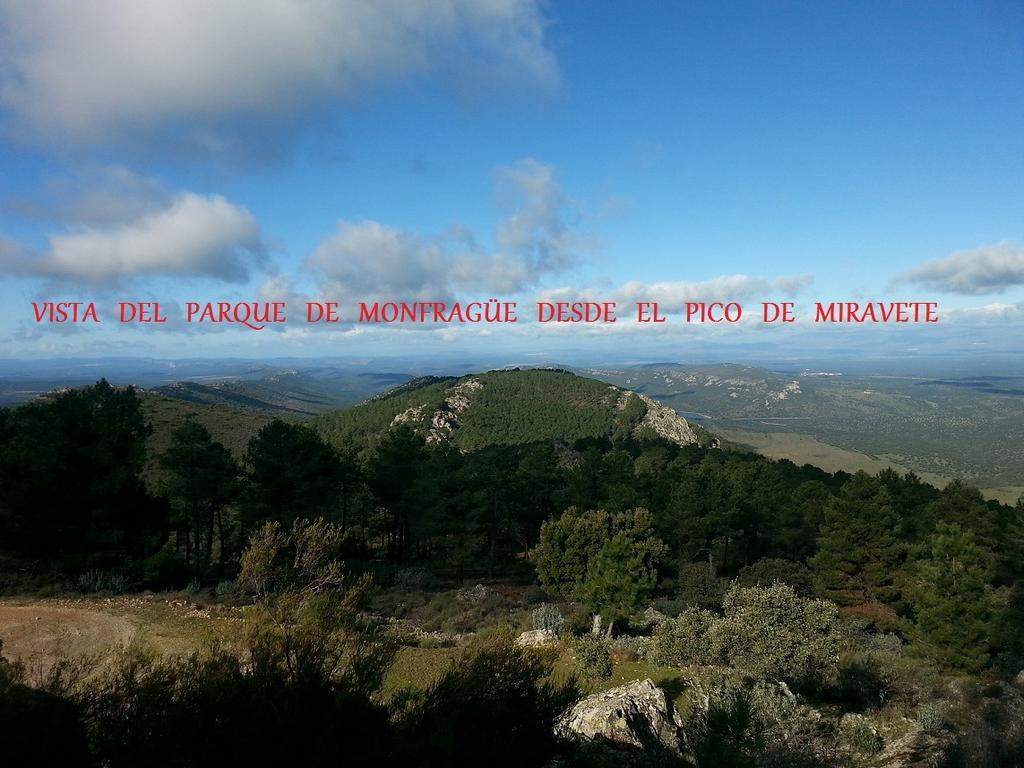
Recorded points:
(537, 638)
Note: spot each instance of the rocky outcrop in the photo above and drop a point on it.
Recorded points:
(636, 715)
(667, 423)
(445, 419)
(537, 638)
(918, 749)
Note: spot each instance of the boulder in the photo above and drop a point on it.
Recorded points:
(636, 715)
(653, 618)
(918, 749)
(537, 638)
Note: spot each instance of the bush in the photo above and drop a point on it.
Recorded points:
(684, 640)
(102, 581)
(492, 706)
(548, 617)
(859, 735)
(884, 642)
(775, 633)
(230, 592)
(931, 716)
(593, 655)
(861, 685)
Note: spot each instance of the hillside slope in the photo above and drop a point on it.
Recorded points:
(508, 408)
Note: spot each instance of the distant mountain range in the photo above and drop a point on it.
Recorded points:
(969, 426)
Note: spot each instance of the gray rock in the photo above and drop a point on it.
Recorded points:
(653, 618)
(636, 715)
(537, 638)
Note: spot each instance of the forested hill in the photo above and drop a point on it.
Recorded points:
(511, 407)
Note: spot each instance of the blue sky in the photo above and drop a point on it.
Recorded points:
(407, 149)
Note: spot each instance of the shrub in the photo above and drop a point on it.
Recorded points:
(593, 656)
(230, 592)
(884, 642)
(931, 716)
(548, 617)
(102, 581)
(684, 640)
(861, 684)
(494, 705)
(859, 735)
(778, 634)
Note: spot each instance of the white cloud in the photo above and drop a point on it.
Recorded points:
(673, 296)
(82, 73)
(98, 195)
(366, 259)
(986, 269)
(193, 236)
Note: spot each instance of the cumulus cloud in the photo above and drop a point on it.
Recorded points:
(986, 269)
(192, 236)
(672, 296)
(97, 195)
(86, 73)
(539, 236)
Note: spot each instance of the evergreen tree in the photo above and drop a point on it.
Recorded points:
(859, 556)
(292, 474)
(607, 560)
(201, 480)
(951, 600)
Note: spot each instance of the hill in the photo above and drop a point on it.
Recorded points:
(508, 407)
(232, 427)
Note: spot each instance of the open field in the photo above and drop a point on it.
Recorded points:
(806, 449)
(39, 631)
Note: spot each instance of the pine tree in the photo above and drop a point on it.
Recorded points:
(859, 555)
(951, 599)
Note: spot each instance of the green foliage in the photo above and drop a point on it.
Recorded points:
(71, 473)
(951, 599)
(728, 732)
(859, 735)
(495, 703)
(101, 581)
(548, 617)
(291, 474)
(778, 634)
(685, 639)
(593, 656)
(200, 479)
(605, 559)
(698, 586)
(773, 570)
(859, 555)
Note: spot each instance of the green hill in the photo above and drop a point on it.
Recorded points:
(231, 426)
(507, 408)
